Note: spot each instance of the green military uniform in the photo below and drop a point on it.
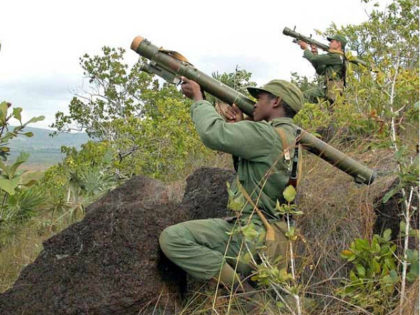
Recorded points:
(202, 247)
(331, 66)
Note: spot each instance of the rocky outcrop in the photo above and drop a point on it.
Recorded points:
(110, 262)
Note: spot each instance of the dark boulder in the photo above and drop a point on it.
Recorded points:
(110, 262)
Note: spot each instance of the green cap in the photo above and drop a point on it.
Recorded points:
(339, 38)
(287, 91)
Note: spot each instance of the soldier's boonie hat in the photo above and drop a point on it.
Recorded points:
(287, 91)
(339, 38)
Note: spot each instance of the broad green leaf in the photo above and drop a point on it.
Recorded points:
(387, 234)
(412, 276)
(8, 186)
(387, 280)
(376, 267)
(289, 193)
(352, 276)
(22, 158)
(249, 231)
(34, 119)
(17, 114)
(284, 275)
(375, 245)
(3, 112)
(361, 271)
(361, 244)
(394, 275)
(236, 203)
(5, 169)
(412, 255)
(29, 134)
(388, 195)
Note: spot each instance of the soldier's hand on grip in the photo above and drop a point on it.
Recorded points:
(191, 89)
(229, 113)
(302, 45)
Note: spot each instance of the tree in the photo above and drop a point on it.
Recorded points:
(146, 123)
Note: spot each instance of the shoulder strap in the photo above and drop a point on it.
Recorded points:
(300, 161)
(285, 144)
(269, 229)
(286, 151)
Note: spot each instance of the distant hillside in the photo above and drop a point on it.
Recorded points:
(44, 149)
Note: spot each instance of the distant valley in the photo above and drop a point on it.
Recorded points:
(44, 150)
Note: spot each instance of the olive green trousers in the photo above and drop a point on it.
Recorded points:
(202, 247)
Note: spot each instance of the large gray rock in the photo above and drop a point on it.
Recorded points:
(110, 262)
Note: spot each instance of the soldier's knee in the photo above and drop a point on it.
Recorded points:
(167, 239)
(164, 238)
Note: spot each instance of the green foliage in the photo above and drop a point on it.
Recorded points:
(236, 202)
(373, 279)
(408, 175)
(166, 140)
(115, 92)
(268, 275)
(17, 202)
(24, 203)
(311, 116)
(146, 124)
(289, 193)
(412, 254)
(5, 134)
(304, 83)
(82, 177)
(10, 177)
(290, 208)
(388, 41)
(413, 261)
(238, 80)
(90, 170)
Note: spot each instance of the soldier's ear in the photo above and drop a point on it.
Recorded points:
(277, 102)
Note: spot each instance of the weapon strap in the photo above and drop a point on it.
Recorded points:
(285, 144)
(174, 54)
(286, 151)
(343, 74)
(270, 235)
(335, 51)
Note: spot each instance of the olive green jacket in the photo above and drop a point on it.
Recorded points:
(330, 64)
(262, 170)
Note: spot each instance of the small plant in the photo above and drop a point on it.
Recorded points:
(12, 183)
(273, 272)
(374, 276)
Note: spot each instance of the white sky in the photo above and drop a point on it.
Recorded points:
(42, 40)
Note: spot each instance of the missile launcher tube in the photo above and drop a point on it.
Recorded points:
(289, 32)
(360, 172)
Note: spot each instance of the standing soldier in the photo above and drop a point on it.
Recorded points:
(330, 65)
(203, 248)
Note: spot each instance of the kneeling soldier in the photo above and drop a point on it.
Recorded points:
(204, 248)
